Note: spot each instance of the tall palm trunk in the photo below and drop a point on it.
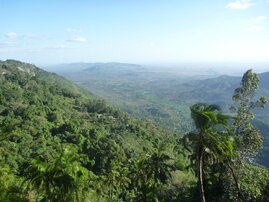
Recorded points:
(200, 173)
(110, 191)
(237, 184)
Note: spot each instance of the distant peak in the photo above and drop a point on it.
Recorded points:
(11, 65)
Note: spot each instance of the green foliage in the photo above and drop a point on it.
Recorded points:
(238, 182)
(137, 91)
(211, 143)
(63, 179)
(63, 143)
(164, 97)
(60, 143)
(154, 170)
(244, 96)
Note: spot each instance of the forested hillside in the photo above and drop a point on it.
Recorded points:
(164, 97)
(135, 89)
(46, 122)
(61, 143)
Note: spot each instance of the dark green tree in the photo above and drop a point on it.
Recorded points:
(153, 171)
(64, 179)
(246, 102)
(117, 181)
(211, 139)
(248, 136)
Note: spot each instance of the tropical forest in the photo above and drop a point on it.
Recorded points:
(134, 101)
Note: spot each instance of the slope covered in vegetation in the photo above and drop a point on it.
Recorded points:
(43, 117)
(162, 97)
(60, 143)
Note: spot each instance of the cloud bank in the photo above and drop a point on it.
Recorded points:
(240, 4)
(78, 39)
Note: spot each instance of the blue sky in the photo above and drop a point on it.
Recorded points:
(136, 31)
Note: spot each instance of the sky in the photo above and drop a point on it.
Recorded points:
(135, 31)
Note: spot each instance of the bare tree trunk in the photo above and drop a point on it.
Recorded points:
(110, 191)
(200, 173)
(240, 197)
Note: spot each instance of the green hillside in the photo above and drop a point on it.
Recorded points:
(162, 97)
(135, 89)
(59, 143)
(42, 114)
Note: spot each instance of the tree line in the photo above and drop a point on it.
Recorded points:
(58, 143)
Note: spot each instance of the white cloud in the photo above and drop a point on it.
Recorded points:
(152, 44)
(14, 35)
(258, 19)
(9, 46)
(11, 35)
(256, 24)
(5, 44)
(72, 30)
(254, 28)
(240, 4)
(33, 36)
(56, 47)
(78, 39)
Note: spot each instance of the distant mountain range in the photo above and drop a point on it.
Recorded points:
(46, 119)
(163, 97)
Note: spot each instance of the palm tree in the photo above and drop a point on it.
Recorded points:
(139, 177)
(152, 171)
(117, 180)
(158, 166)
(63, 179)
(210, 138)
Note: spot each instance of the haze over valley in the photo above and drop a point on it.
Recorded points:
(161, 96)
(134, 101)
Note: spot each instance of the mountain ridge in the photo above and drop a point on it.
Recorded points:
(166, 100)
